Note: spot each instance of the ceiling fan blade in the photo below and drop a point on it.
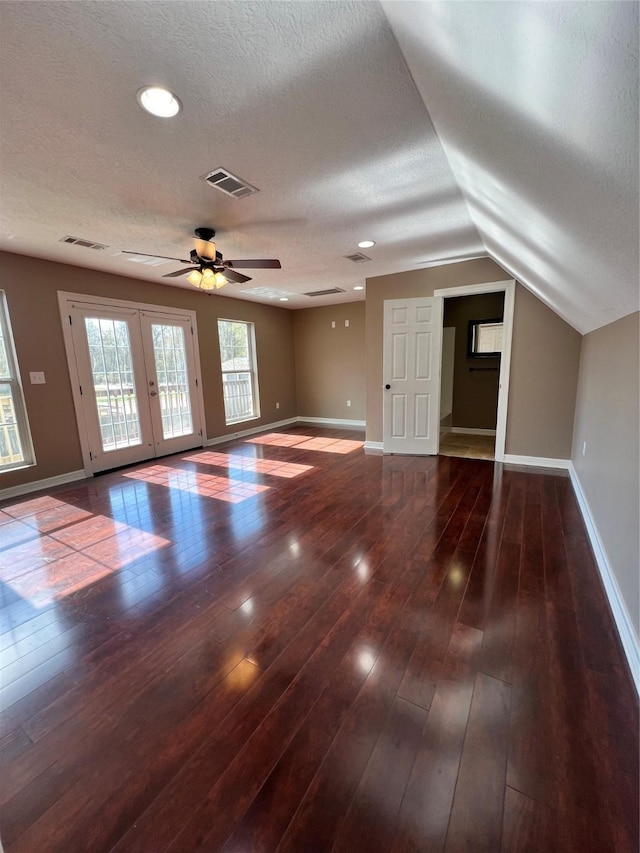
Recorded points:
(265, 264)
(145, 255)
(233, 276)
(179, 272)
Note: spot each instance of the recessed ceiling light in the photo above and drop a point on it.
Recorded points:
(366, 244)
(158, 101)
(358, 287)
(284, 299)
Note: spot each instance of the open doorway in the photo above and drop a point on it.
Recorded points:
(471, 353)
(476, 359)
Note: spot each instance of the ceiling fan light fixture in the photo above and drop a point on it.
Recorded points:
(195, 278)
(205, 249)
(158, 101)
(208, 280)
(220, 280)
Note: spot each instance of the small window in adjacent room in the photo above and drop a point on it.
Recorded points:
(15, 439)
(239, 382)
(485, 338)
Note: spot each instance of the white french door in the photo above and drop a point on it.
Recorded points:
(137, 393)
(411, 370)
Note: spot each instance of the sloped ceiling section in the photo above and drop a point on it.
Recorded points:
(536, 106)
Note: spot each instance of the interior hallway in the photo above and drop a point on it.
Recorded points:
(468, 446)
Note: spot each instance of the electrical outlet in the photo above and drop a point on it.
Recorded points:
(37, 378)
(584, 448)
(333, 324)
(277, 405)
(349, 403)
(346, 323)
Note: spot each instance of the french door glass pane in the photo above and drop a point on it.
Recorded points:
(113, 382)
(173, 382)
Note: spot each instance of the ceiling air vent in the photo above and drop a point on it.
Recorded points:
(228, 183)
(78, 241)
(358, 258)
(325, 292)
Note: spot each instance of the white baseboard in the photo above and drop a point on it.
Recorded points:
(220, 439)
(537, 461)
(38, 485)
(332, 422)
(470, 431)
(375, 446)
(628, 637)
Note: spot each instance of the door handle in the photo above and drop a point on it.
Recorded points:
(153, 393)
(387, 387)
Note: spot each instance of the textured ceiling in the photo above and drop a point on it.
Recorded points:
(535, 161)
(536, 106)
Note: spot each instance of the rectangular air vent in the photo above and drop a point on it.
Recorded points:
(358, 258)
(78, 241)
(228, 183)
(325, 292)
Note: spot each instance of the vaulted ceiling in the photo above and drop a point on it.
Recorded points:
(442, 131)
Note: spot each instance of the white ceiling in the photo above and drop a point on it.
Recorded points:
(535, 161)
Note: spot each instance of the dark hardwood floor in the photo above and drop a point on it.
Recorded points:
(286, 644)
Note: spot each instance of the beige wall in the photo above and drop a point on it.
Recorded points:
(31, 286)
(544, 361)
(475, 392)
(330, 362)
(607, 420)
(545, 358)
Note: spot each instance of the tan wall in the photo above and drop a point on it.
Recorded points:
(607, 419)
(545, 358)
(544, 365)
(330, 362)
(31, 286)
(475, 392)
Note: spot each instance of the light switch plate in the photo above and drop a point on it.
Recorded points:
(37, 378)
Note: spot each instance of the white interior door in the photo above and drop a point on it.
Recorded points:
(137, 383)
(412, 356)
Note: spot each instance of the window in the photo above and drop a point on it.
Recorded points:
(485, 338)
(239, 385)
(15, 441)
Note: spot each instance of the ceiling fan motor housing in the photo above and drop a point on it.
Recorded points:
(205, 233)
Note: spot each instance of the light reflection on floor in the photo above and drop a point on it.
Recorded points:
(249, 463)
(307, 442)
(42, 569)
(205, 485)
(50, 548)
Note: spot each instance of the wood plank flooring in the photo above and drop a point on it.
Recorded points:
(286, 644)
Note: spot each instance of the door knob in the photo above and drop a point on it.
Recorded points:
(387, 387)
(153, 393)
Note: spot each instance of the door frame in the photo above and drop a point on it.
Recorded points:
(64, 298)
(508, 287)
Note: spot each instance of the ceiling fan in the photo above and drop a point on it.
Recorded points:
(207, 269)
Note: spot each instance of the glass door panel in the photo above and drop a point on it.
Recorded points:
(171, 377)
(114, 385)
(173, 380)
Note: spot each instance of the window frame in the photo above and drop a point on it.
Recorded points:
(14, 381)
(253, 371)
(475, 327)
